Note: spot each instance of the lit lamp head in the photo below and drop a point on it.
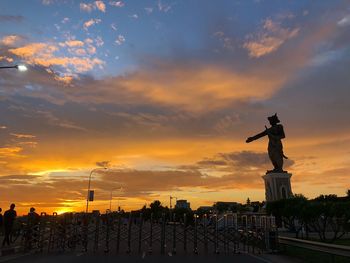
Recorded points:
(22, 67)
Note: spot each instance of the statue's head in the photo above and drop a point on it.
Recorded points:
(273, 119)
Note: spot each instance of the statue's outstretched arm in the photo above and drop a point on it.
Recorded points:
(256, 137)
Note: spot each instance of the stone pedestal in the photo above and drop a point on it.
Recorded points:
(277, 186)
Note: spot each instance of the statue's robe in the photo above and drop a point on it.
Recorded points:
(275, 148)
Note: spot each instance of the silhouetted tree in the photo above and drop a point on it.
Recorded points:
(157, 209)
(155, 205)
(324, 214)
(289, 211)
(329, 216)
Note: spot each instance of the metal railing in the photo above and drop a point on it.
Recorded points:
(135, 233)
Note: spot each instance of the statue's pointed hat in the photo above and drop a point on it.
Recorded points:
(274, 118)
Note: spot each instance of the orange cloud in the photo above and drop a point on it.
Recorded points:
(43, 54)
(12, 151)
(43, 50)
(64, 79)
(73, 43)
(100, 6)
(91, 22)
(8, 59)
(11, 40)
(88, 7)
(199, 88)
(269, 40)
(189, 87)
(23, 136)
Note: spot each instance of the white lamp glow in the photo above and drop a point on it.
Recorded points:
(22, 67)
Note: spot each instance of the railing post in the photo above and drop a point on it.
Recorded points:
(97, 232)
(108, 228)
(205, 222)
(162, 236)
(41, 231)
(216, 238)
(150, 248)
(74, 236)
(266, 233)
(118, 232)
(272, 234)
(129, 234)
(174, 234)
(235, 234)
(225, 234)
(52, 232)
(245, 239)
(28, 238)
(195, 249)
(185, 232)
(140, 232)
(85, 230)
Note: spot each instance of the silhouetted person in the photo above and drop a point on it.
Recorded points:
(32, 227)
(33, 217)
(275, 148)
(9, 220)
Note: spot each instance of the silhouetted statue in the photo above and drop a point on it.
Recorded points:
(275, 148)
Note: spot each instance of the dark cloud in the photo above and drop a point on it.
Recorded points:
(209, 162)
(245, 160)
(11, 18)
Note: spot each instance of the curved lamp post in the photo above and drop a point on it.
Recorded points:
(19, 67)
(88, 192)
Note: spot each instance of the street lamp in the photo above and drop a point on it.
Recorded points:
(88, 192)
(110, 201)
(19, 67)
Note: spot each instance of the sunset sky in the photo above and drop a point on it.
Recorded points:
(167, 91)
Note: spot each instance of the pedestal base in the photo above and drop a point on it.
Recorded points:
(277, 186)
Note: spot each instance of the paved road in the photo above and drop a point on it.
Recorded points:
(80, 258)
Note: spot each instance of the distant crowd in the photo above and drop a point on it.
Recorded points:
(7, 221)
